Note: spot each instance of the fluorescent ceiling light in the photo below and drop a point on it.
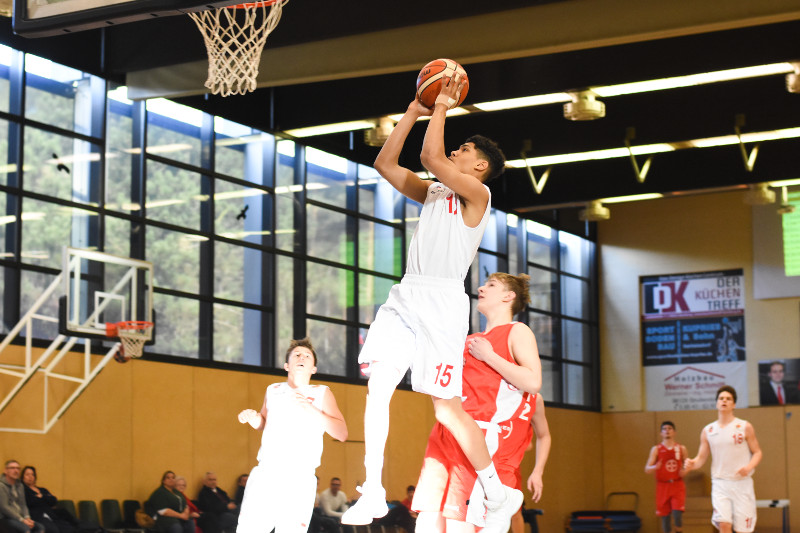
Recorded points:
(785, 183)
(693, 79)
(326, 129)
(649, 149)
(632, 198)
(524, 101)
(609, 153)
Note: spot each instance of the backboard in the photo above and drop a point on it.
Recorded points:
(101, 288)
(42, 18)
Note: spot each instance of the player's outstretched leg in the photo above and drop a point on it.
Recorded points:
(382, 383)
(501, 501)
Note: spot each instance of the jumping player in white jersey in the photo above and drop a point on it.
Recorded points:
(281, 489)
(735, 453)
(423, 324)
(502, 374)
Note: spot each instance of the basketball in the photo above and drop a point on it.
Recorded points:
(120, 356)
(429, 81)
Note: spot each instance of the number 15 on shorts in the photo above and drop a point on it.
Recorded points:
(443, 377)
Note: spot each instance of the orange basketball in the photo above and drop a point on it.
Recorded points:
(429, 81)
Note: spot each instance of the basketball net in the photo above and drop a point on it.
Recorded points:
(234, 47)
(133, 335)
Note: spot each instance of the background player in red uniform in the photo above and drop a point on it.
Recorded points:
(666, 462)
(502, 374)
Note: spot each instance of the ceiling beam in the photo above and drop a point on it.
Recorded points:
(530, 31)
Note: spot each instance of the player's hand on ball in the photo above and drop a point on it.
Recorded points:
(247, 416)
(480, 348)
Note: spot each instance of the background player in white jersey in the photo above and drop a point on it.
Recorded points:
(281, 489)
(502, 374)
(735, 453)
(423, 324)
(666, 463)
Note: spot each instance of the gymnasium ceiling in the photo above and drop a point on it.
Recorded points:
(330, 62)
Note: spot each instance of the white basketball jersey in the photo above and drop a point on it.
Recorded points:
(729, 449)
(292, 437)
(442, 245)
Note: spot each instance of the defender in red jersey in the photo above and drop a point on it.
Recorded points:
(666, 462)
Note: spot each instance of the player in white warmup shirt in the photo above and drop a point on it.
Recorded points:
(423, 324)
(281, 489)
(735, 453)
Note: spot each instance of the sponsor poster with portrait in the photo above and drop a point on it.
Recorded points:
(693, 339)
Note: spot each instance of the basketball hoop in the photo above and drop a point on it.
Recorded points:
(234, 47)
(132, 334)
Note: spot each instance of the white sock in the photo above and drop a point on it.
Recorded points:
(492, 486)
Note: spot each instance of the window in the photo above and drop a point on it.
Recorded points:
(254, 239)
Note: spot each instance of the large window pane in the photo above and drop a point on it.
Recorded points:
(57, 95)
(8, 227)
(494, 238)
(540, 244)
(59, 166)
(177, 326)
(239, 212)
(543, 327)
(330, 342)
(380, 248)
(372, 293)
(284, 306)
(6, 55)
(328, 237)
(551, 381)
(577, 385)
(330, 291)
(326, 178)
(47, 228)
(577, 340)
(542, 287)
(119, 151)
(576, 254)
(287, 196)
(238, 273)
(176, 259)
(377, 197)
(575, 297)
(174, 195)
(173, 131)
(237, 334)
(5, 167)
(240, 151)
(33, 284)
(118, 236)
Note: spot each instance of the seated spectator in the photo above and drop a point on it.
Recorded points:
(333, 501)
(194, 512)
(14, 515)
(400, 514)
(240, 485)
(170, 506)
(219, 511)
(42, 506)
(409, 498)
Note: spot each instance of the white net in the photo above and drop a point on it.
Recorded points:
(133, 335)
(234, 40)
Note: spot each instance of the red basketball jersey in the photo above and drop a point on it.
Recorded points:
(486, 395)
(670, 460)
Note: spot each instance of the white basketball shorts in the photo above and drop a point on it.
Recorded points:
(734, 502)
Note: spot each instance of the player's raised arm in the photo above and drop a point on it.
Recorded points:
(388, 161)
(463, 182)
